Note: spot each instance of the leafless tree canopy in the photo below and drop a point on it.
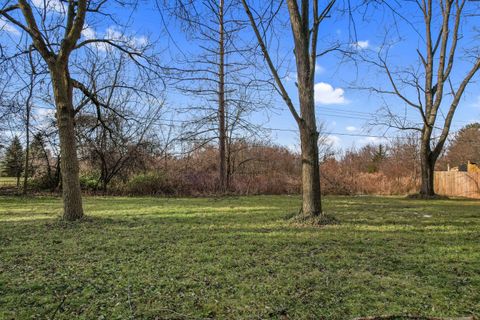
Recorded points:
(432, 85)
(60, 33)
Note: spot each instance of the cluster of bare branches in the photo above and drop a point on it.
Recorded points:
(430, 87)
(57, 38)
(220, 78)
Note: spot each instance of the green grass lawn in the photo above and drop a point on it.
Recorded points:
(8, 181)
(238, 258)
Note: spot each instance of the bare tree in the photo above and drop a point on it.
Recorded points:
(305, 18)
(54, 29)
(29, 83)
(111, 141)
(434, 87)
(58, 63)
(221, 77)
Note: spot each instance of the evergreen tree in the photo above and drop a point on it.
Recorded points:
(38, 163)
(465, 146)
(13, 161)
(378, 157)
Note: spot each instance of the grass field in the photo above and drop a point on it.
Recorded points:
(8, 181)
(238, 258)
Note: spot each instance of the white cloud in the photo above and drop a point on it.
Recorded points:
(141, 41)
(112, 33)
(351, 128)
(373, 140)
(326, 94)
(333, 140)
(51, 5)
(291, 76)
(45, 112)
(89, 33)
(44, 116)
(8, 27)
(361, 45)
(319, 69)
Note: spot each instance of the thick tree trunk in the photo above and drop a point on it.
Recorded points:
(311, 192)
(427, 169)
(221, 103)
(311, 205)
(72, 197)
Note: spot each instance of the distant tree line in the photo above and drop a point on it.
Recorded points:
(390, 168)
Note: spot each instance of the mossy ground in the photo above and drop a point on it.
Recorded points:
(238, 258)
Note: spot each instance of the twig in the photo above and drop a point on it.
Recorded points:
(58, 307)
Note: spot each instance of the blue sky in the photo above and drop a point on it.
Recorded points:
(341, 106)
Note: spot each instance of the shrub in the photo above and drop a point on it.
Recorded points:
(43, 182)
(152, 183)
(89, 182)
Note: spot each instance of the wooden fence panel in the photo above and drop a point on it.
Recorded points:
(458, 184)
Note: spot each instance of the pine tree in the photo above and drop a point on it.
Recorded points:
(13, 161)
(378, 157)
(37, 156)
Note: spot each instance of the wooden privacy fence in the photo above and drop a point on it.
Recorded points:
(458, 184)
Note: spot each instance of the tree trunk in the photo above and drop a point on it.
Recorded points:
(312, 205)
(104, 179)
(228, 163)
(57, 176)
(72, 197)
(305, 37)
(311, 194)
(19, 175)
(427, 168)
(311, 191)
(27, 149)
(221, 103)
(104, 186)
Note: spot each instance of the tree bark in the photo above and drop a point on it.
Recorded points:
(427, 166)
(72, 197)
(311, 192)
(221, 102)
